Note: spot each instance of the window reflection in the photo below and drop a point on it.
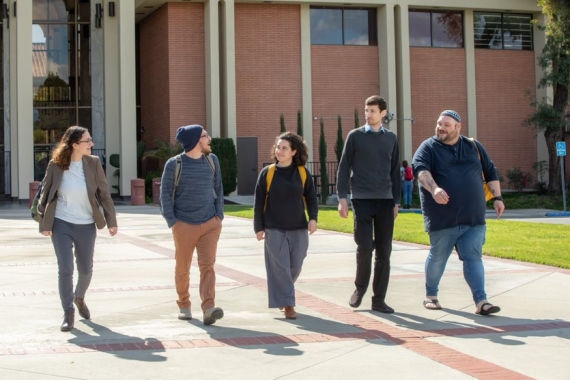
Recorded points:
(436, 28)
(60, 71)
(503, 31)
(340, 26)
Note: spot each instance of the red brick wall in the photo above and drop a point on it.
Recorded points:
(187, 64)
(342, 78)
(268, 71)
(172, 58)
(438, 80)
(504, 81)
(154, 76)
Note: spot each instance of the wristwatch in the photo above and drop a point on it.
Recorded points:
(499, 198)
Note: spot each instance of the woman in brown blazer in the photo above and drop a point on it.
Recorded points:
(75, 187)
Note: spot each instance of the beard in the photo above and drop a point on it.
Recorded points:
(447, 137)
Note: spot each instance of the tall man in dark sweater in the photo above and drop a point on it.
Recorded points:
(370, 168)
(194, 210)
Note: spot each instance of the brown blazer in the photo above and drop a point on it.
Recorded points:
(97, 191)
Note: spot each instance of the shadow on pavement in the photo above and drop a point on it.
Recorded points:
(120, 345)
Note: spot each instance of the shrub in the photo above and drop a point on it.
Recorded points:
(323, 162)
(339, 146)
(282, 123)
(299, 123)
(148, 182)
(518, 179)
(225, 149)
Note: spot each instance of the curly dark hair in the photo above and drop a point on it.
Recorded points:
(297, 143)
(62, 152)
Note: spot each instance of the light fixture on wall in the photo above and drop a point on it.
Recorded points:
(111, 9)
(98, 15)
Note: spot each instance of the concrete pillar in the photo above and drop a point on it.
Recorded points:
(469, 43)
(306, 78)
(228, 70)
(212, 67)
(387, 58)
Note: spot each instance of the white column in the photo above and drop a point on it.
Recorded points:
(97, 85)
(24, 138)
(212, 67)
(111, 92)
(306, 78)
(469, 43)
(127, 93)
(387, 57)
(7, 94)
(403, 79)
(229, 70)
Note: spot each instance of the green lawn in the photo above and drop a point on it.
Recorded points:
(538, 243)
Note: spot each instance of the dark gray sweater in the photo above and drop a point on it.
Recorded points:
(370, 166)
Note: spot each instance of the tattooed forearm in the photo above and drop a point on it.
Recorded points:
(427, 181)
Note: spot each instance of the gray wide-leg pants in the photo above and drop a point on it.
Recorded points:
(284, 255)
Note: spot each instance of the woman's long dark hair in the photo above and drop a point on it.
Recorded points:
(62, 153)
(297, 143)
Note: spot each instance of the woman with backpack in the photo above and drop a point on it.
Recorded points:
(408, 184)
(282, 192)
(74, 188)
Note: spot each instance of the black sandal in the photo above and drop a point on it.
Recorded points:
(492, 310)
(435, 302)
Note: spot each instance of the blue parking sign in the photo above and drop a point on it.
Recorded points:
(560, 148)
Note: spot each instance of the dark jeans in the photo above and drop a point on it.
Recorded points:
(373, 230)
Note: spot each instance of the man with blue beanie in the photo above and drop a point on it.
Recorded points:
(193, 206)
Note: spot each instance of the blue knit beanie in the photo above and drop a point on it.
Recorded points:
(452, 114)
(189, 136)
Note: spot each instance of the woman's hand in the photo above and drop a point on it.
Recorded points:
(312, 226)
(46, 233)
(113, 231)
(260, 235)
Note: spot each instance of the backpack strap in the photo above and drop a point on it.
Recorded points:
(177, 174)
(479, 154)
(210, 161)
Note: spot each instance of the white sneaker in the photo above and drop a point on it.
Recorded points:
(212, 315)
(185, 314)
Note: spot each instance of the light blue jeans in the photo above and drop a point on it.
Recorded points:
(408, 188)
(468, 241)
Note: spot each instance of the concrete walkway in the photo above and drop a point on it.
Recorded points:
(134, 333)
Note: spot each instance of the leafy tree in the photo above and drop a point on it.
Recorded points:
(356, 122)
(299, 123)
(323, 162)
(555, 63)
(282, 123)
(339, 140)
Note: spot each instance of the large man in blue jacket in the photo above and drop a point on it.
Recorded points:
(450, 169)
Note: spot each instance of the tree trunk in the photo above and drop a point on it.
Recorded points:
(552, 135)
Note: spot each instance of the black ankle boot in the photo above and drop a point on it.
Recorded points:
(68, 320)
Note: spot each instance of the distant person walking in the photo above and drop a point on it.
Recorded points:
(281, 194)
(408, 184)
(193, 206)
(370, 168)
(450, 169)
(74, 188)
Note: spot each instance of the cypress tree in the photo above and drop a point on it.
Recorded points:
(323, 161)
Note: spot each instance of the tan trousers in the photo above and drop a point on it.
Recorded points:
(204, 237)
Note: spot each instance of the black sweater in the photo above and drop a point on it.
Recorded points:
(285, 208)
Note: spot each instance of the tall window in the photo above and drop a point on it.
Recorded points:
(343, 26)
(503, 31)
(61, 72)
(436, 28)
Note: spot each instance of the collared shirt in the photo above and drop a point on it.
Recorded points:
(368, 128)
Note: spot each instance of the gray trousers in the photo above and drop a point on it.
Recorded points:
(284, 255)
(65, 236)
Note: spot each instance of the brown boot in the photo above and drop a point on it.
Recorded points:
(68, 320)
(82, 307)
